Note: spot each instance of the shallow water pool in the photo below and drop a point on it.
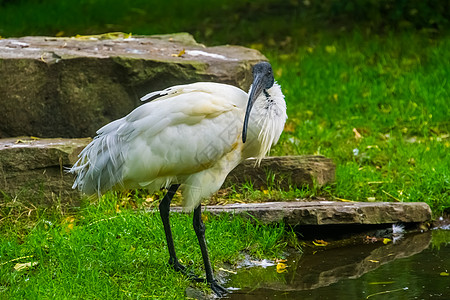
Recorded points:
(415, 267)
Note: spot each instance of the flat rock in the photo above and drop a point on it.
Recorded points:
(329, 212)
(37, 167)
(70, 87)
(284, 172)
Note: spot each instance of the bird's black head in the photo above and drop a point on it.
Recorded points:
(262, 81)
(263, 70)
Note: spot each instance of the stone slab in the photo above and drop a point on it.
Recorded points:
(329, 212)
(37, 167)
(70, 87)
(284, 172)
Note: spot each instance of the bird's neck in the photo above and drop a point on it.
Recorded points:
(268, 121)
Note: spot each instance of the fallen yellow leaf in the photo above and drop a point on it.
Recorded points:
(104, 36)
(386, 241)
(357, 134)
(179, 53)
(69, 219)
(343, 200)
(374, 261)
(320, 243)
(69, 223)
(281, 267)
(24, 266)
(444, 274)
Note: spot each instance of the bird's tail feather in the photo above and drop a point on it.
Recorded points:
(153, 95)
(99, 167)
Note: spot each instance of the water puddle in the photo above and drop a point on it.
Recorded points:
(417, 266)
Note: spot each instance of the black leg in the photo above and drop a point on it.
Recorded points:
(164, 209)
(199, 228)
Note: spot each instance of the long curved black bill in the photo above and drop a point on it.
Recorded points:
(257, 88)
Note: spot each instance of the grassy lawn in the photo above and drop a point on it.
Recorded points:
(378, 107)
(374, 98)
(363, 85)
(115, 250)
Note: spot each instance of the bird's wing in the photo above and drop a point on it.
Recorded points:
(161, 141)
(207, 87)
(158, 94)
(176, 90)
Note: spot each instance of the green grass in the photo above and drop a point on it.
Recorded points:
(112, 251)
(342, 75)
(394, 90)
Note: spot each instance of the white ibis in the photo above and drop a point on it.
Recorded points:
(190, 136)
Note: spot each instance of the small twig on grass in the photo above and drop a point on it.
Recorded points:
(101, 220)
(396, 199)
(228, 271)
(387, 292)
(343, 200)
(15, 259)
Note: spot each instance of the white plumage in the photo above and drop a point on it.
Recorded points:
(190, 135)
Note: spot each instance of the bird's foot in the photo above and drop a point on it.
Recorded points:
(218, 289)
(182, 269)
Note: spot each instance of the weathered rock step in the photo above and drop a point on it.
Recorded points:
(70, 87)
(329, 212)
(35, 167)
(284, 172)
